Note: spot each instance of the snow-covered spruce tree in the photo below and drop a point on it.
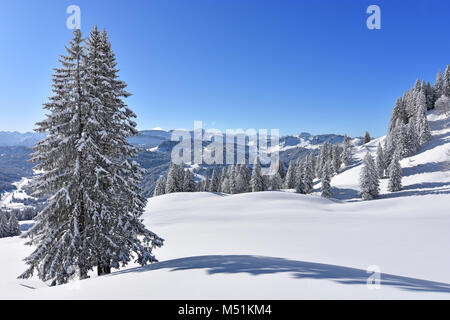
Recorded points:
(421, 122)
(206, 184)
(188, 182)
(308, 183)
(92, 215)
(438, 87)
(366, 138)
(4, 230)
(245, 176)
(233, 174)
(257, 180)
(215, 182)
(13, 226)
(279, 165)
(276, 183)
(223, 175)
(160, 187)
(299, 176)
(325, 180)
(446, 82)
(369, 182)
(225, 187)
(380, 162)
(336, 157)
(289, 181)
(346, 155)
(175, 179)
(395, 174)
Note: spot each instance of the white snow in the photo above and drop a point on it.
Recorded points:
(283, 245)
(7, 199)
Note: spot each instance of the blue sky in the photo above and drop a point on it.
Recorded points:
(288, 64)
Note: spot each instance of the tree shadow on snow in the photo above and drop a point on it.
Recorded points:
(257, 265)
(423, 168)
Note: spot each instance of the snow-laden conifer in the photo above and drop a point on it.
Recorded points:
(380, 161)
(188, 182)
(368, 182)
(257, 180)
(13, 226)
(276, 183)
(92, 215)
(395, 174)
(366, 138)
(326, 179)
(215, 182)
(174, 182)
(289, 181)
(308, 184)
(160, 187)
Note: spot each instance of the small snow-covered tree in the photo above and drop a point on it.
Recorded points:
(421, 122)
(174, 182)
(325, 180)
(380, 162)
(13, 226)
(299, 176)
(289, 181)
(308, 183)
(446, 82)
(276, 183)
(4, 230)
(336, 158)
(438, 87)
(215, 182)
(206, 184)
(368, 182)
(442, 106)
(257, 180)
(347, 151)
(160, 187)
(188, 182)
(395, 174)
(366, 137)
(245, 176)
(225, 187)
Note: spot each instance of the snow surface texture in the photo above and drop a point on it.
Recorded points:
(282, 245)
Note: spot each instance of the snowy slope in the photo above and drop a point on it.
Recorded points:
(282, 245)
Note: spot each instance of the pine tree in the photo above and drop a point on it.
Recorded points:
(369, 183)
(289, 182)
(257, 180)
(245, 176)
(215, 182)
(188, 182)
(395, 174)
(13, 226)
(225, 187)
(366, 137)
(336, 157)
(92, 217)
(380, 163)
(325, 180)
(206, 185)
(160, 187)
(233, 173)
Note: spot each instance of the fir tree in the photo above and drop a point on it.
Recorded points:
(257, 180)
(369, 183)
(446, 82)
(299, 177)
(347, 151)
(4, 230)
(276, 183)
(337, 161)
(160, 187)
(325, 180)
(438, 87)
(366, 137)
(289, 182)
(225, 187)
(421, 122)
(13, 226)
(92, 217)
(244, 178)
(188, 182)
(380, 163)
(309, 174)
(395, 174)
(174, 182)
(215, 182)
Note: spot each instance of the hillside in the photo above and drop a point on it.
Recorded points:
(282, 245)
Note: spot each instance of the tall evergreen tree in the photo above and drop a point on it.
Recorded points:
(438, 86)
(174, 182)
(276, 183)
(369, 183)
(308, 183)
(257, 180)
(421, 122)
(336, 158)
(92, 217)
(347, 151)
(299, 176)
(395, 174)
(4, 230)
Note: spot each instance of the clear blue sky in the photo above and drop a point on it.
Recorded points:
(289, 64)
